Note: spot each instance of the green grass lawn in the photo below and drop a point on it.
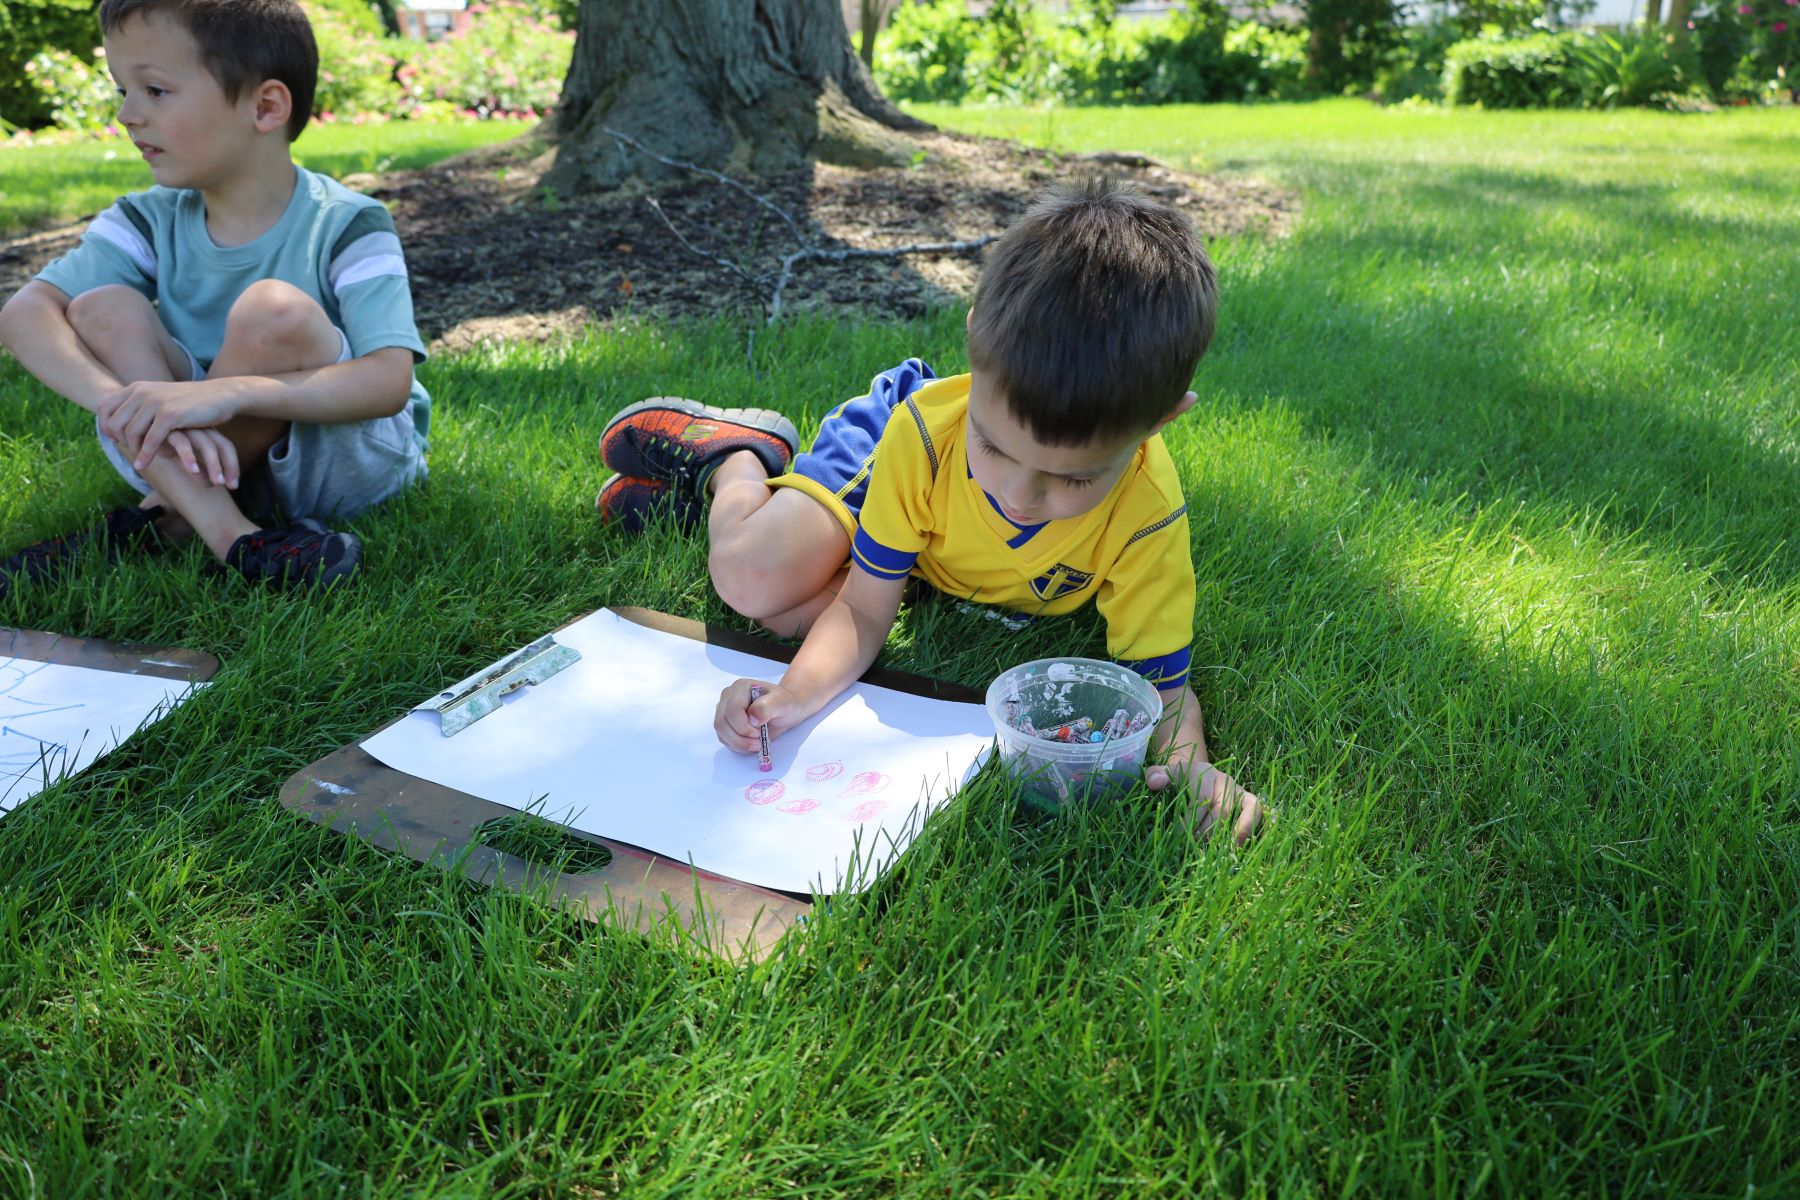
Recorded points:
(1493, 484)
(41, 184)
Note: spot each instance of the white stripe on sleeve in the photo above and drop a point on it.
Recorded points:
(111, 227)
(363, 249)
(370, 268)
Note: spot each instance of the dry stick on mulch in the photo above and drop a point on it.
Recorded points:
(769, 287)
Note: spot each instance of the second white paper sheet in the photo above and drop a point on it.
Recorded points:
(56, 720)
(621, 745)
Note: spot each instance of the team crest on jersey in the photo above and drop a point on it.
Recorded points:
(1060, 580)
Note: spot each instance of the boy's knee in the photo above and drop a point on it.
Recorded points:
(273, 314)
(742, 578)
(106, 314)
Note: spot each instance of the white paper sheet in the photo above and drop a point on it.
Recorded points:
(621, 745)
(55, 720)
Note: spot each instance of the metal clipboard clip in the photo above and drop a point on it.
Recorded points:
(462, 704)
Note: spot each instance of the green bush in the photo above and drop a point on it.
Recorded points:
(934, 51)
(1527, 72)
(360, 16)
(28, 28)
(925, 53)
(74, 94)
(1269, 61)
(1415, 66)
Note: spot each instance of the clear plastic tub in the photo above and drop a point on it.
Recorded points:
(1053, 692)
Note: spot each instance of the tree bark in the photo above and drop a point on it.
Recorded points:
(1679, 12)
(746, 86)
(1652, 13)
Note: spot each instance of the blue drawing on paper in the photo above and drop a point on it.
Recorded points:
(23, 751)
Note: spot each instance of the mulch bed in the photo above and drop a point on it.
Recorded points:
(494, 258)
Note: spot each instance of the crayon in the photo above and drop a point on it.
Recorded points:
(762, 757)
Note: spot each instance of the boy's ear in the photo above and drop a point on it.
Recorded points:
(1186, 402)
(272, 105)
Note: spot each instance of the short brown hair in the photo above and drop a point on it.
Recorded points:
(242, 43)
(1093, 310)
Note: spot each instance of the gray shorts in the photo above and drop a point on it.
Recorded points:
(321, 471)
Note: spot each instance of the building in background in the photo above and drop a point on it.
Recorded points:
(429, 20)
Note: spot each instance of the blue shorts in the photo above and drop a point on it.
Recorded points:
(835, 468)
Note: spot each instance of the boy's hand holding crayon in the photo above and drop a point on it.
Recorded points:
(740, 718)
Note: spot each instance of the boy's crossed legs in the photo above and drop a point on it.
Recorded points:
(273, 328)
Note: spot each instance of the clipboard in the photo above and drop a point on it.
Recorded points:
(636, 890)
(98, 654)
(122, 658)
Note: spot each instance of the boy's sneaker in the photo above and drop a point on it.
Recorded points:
(122, 529)
(304, 555)
(679, 442)
(631, 501)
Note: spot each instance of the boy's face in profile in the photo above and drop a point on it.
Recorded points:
(1033, 482)
(172, 108)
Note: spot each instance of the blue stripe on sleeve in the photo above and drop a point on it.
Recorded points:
(878, 560)
(1166, 671)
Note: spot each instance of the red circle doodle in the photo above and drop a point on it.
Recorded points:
(797, 806)
(765, 791)
(868, 810)
(867, 783)
(820, 772)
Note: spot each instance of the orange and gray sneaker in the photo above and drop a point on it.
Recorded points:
(679, 442)
(630, 501)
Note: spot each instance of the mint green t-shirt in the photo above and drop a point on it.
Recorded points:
(335, 245)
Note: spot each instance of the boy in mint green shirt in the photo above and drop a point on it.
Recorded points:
(243, 332)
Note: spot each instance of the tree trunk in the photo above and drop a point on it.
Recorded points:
(871, 13)
(1679, 12)
(747, 86)
(1652, 13)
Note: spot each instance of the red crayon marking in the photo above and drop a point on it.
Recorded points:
(765, 791)
(824, 771)
(868, 810)
(797, 806)
(762, 758)
(865, 783)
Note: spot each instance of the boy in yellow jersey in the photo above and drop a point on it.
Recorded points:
(1037, 482)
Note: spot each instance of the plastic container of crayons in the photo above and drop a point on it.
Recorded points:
(1073, 729)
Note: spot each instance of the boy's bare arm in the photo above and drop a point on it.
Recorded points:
(34, 325)
(142, 415)
(844, 640)
(841, 645)
(1218, 798)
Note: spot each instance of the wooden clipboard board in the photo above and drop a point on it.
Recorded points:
(354, 793)
(123, 658)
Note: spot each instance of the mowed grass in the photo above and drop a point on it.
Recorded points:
(1493, 483)
(44, 184)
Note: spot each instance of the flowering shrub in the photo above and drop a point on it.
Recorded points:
(356, 70)
(27, 29)
(76, 95)
(507, 63)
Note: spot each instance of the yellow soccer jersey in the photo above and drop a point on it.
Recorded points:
(926, 515)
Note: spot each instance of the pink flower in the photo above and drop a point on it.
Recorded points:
(1781, 27)
(1743, 10)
